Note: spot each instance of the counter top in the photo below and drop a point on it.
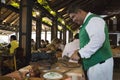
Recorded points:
(67, 71)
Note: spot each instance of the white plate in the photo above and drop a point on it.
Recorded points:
(53, 75)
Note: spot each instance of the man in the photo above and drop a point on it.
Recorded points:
(12, 47)
(13, 44)
(95, 52)
(71, 47)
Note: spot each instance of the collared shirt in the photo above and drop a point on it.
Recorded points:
(95, 30)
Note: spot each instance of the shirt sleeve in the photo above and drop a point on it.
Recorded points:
(95, 30)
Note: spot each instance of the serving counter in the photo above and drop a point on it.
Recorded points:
(68, 72)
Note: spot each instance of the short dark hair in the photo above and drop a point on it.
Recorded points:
(13, 37)
(75, 7)
(76, 36)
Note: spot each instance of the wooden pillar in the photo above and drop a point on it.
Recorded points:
(70, 36)
(54, 29)
(118, 22)
(26, 27)
(64, 35)
(114, 24)
(16, 32)
(110, 25)
(38, 30)
(61, 35)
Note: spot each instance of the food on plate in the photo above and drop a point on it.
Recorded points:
(52, 75)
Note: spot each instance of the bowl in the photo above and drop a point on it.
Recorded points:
(52, 75)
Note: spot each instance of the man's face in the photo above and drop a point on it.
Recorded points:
(76, 17)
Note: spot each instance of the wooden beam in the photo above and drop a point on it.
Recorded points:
(62, 4)
(43, 10)
(10, 7)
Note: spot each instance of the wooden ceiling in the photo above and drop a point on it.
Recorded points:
(100, 7)
(9, 16)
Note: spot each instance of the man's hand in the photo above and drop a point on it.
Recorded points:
(75, 56)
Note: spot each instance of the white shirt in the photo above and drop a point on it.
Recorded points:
(70, 48)
(95, 30)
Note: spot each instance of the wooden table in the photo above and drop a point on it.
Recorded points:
(64, 70)
(6, 58)
(17, 74)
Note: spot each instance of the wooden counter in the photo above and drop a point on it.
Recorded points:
(20, 74)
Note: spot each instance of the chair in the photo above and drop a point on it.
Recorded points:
(19, 60)
(13, 60)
